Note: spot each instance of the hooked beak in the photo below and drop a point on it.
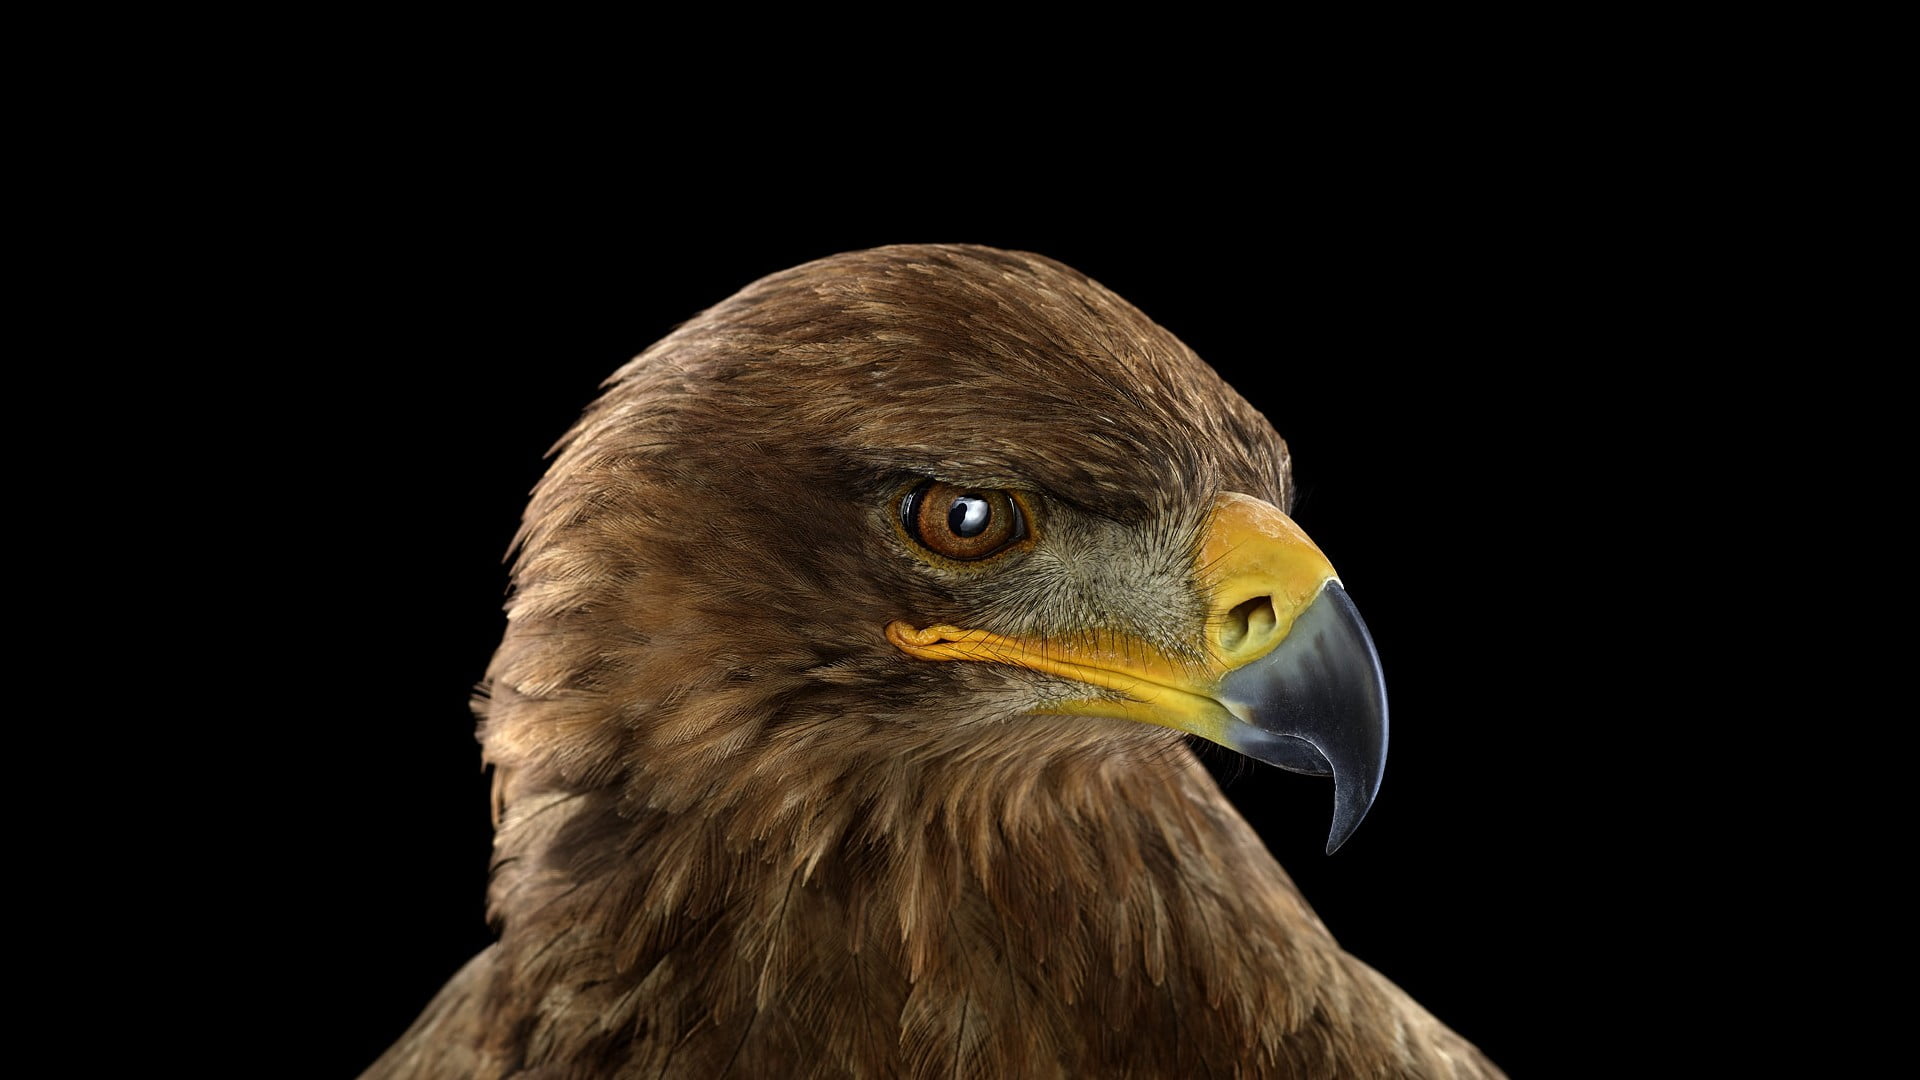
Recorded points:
(1290, 676)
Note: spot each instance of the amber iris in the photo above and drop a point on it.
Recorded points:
(961, 523)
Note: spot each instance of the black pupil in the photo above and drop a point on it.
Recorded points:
(968, 515)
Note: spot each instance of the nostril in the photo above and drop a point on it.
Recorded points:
(1250, 622)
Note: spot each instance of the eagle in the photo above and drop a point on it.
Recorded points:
(841, 727)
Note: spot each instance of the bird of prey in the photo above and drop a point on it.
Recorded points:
(839, 728)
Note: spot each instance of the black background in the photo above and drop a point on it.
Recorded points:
(1443, 364)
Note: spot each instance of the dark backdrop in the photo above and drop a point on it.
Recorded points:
(1441, 374)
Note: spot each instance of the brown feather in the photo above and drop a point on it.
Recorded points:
(739, 834)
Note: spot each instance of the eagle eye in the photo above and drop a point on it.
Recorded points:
(962, 523)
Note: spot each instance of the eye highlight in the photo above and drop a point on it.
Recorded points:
(962, 523)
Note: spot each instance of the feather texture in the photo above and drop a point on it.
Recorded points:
(739, 834)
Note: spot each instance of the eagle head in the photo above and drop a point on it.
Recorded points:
(911, 506)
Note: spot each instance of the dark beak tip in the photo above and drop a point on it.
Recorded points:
(1348, 813)
(1320, 705)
